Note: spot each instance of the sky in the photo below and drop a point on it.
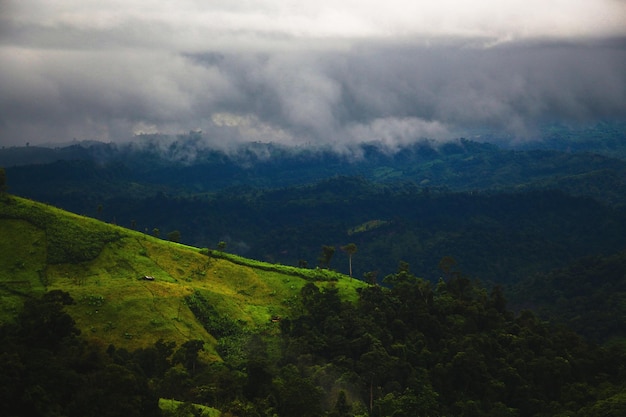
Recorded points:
(300, 73)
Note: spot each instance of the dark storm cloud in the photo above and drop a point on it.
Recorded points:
(331, 73)
(418, 90)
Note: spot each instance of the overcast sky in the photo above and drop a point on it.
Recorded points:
(296, 72)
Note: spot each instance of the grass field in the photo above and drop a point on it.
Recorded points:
(173, 406)
(102, 267)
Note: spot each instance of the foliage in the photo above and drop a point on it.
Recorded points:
(327, 255)
(174, 236)
(495, 236)
(574, 295)
(216, 324)
(498, 237)
(69, 238)
(115, 305)
(411, 349)
(303, 342)
(495, 210)
(316, 274)
(350, 249)
(3, 180)
(452, 349)
(48, 370)
(173, 408)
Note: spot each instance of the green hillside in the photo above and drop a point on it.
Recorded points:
(102, 266)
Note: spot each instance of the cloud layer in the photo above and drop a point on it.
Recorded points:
(293, 72)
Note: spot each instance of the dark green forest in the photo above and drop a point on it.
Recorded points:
(589, 296)
(502, 213)
(497, 237)
(408, 348)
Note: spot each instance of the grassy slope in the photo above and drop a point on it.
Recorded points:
(43, 248)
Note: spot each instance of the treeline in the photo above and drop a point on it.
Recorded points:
(410, 348)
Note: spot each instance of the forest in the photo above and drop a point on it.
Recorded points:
(502, 213)
(406, 348)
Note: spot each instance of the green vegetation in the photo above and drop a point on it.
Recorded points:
(47, 369)
(503, 213)
(496, 236)
(3, 180)
(96, 318)
(588, 295)
(410, 349)
(69, 238)
(367, 226)
(181, 409)
(102, 266)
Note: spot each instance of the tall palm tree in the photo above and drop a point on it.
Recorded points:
(350, 249)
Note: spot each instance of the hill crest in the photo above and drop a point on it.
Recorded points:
(102, 267)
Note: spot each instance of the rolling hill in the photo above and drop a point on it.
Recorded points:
(132, 289)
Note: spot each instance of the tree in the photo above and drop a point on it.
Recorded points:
(3, 180)
(259, 375)
(342, 408)
(44, 323)
(370, 277)
(154, 361)
(114, 390)
(221, 246)
(447, 265)
(296, 396)
(326, 256)
(155, 232)
(174, 236)
(350, 249)
(187, 354)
